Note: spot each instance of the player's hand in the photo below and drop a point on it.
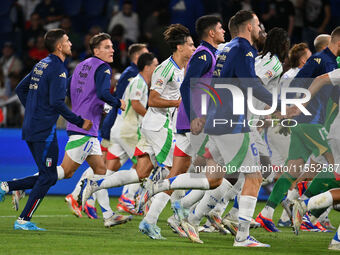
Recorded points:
(123, 105)
(87, 125)
(197, 125)
(293, 111)
(177, 103)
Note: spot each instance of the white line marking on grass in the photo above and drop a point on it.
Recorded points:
(38, 216)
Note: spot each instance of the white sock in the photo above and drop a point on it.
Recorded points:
(233, 213)
(284, 216)
(88, 173)
(183, 181)
(60, 172)
(208, 202)
(120, 178)
(267, 212)
(158, 204)
(246, 210)
(132, 190)
(190, 199)
(220, 207)
(104, 202)
(292, 194)
(322, 200)
(177, 195)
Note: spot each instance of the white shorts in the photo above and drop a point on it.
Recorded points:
(189, 143)
(79, 147)
(260, 144)
(235, 152)
(117, 151)
(158, 144)
(279, 146)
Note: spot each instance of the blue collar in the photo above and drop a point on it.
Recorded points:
(173, 61)
(209, 46)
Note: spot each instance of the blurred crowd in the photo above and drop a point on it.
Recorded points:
(23, 24)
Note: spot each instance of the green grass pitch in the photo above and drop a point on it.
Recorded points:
(67, 234)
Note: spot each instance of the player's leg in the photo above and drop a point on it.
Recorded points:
(46, 157)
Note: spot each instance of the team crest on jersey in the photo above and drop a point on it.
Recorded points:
(48, 162)
(159, 83)
(250, 54)
(268, 74)
(204, 57)
(317, 60)
(62, 75)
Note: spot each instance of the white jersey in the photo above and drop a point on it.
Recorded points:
(268, 69)
(288, 76)
(127, 123)
(334, 76)
(166, 80)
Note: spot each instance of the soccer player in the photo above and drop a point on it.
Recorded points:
(156, 143)
(42, 93)
(232, 144)
(324, 180)
(201, 65)
(126, 130)
(95, 73)
(134, 51)
(309, 136)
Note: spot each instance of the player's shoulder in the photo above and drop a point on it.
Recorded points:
(165, 68)
(202, 56)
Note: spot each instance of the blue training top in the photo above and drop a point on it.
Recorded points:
(318, 64)
(42, 93)
(237, 60)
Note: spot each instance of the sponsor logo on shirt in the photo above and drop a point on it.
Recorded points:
(62, 75)
(108, 71)
(159, 83)
(250, 54)
(268, 74)
(317, 60)
(204, 57)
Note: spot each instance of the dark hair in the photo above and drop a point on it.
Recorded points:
(295, 53)
(206, 23)
(145, 60)
(233, 30)
(277, 43)
(176, 34)
(52, 37)
(335, 35)
(134, 48)
(97, 39)
(241, 17)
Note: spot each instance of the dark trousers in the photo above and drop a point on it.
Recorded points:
(45, 155)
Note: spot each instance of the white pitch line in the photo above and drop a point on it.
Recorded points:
(38, 216)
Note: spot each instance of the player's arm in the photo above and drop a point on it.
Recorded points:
(102, 79)
(57, 93)
(325, 79)
(138, 107)
(136, 94)
(199, 65)
(22, 89)
(155, 100)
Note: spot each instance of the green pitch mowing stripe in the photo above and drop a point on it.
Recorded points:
(71, 235)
